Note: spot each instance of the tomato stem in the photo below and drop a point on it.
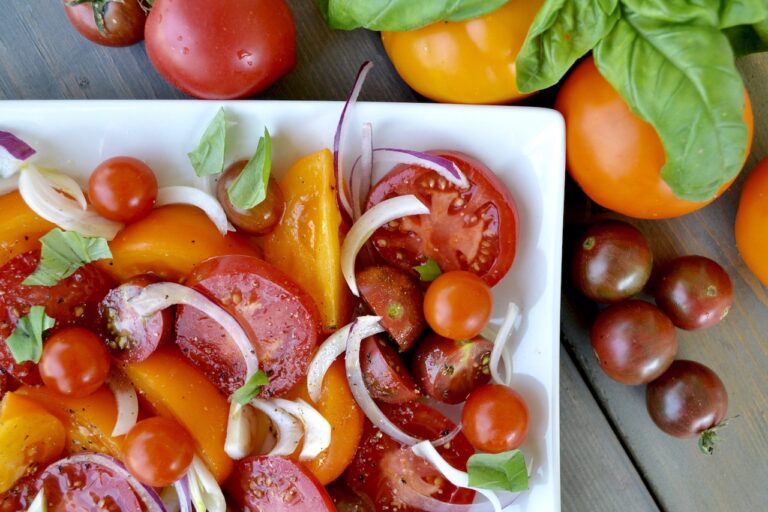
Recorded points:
(710, 437)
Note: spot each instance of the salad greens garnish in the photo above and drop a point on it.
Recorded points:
(208, 157)
(250, 187)
(251, 388)
(26, 341)
(63, 252)
(506, 471)
(429, 270)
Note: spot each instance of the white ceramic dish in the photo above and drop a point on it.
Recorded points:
(524, 146)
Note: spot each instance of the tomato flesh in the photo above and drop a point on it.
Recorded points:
(75, 362)
(473, 229)
(495, 418)
(123, 189)
(158, 451)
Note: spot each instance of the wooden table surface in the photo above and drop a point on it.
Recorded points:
(613, 457)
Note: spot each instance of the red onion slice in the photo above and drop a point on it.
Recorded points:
(442, 166)
(373, 219)
(16, 147)
(338, 142)
(198, 198)
(184, 493)
(360, 178)
(127, 403)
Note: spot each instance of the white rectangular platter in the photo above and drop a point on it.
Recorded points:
(524, 146)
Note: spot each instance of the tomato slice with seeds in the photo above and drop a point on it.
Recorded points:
(21, 495)
(472, 229)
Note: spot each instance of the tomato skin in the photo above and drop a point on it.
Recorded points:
(276, 484)
(21, 495)
(751, 219)
(75, 362)
(218, 50)
(21, 228)
(123, 22)
(469, 61)
(687, 399)
(634, 342)
(495, 418)
(612, 262)
(458, 305)
(262, 218)
(158, 451)
(615, 156)
(123, 189)
(386, 376)
(464, 229)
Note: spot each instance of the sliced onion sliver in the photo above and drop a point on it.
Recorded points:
(240, 425)
(204, 489)
(360, 178)
(373, 219)
(338, 140)
(66, 184)
(38, 504)
(43, 198)
(145, 493)
(289, 428)
(442, 166)
(317, 430)
(198, 198)
(127, 403)
(172, 499)
(158, 296)
(459, 478)
(499, 354)
(184, 494)
(412, 498)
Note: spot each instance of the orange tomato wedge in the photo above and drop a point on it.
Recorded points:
(21, 228)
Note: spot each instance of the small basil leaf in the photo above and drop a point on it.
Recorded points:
(748, 39)
(26, 340)
(208, 157)
(64, 252)
(250, 187)
(429, 270)
(682, 80)
(562, 32)
(713, 13)
(506, 471)
(250, 389)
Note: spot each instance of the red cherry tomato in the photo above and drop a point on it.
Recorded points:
(158, 451)
(458, 305)
(276, 484)
(221, 50)
(123, 189)
(75, 362)
(123, 21)
(495, 418)
(282, 320)
(473, 229)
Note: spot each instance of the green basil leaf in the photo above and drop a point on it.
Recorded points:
(747, 39)
(26, 340)
(250, 389)
(208, 157)
(714, 13)
(398, 15)
(682, 79)
(562, 32)
(63, 253)
(429, 270)
(250, 187)
(506, 471)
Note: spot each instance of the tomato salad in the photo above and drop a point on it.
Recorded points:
(176, 348)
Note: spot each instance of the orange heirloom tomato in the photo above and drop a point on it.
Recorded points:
(306, 244)
(21, 227)
(169, 242)
(615, 156)
(470, 61)
(177, 390)
(338, 406)
(752, 220)
(29, 437)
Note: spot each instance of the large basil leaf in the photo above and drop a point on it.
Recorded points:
(562, 32)
(682, 80)
(397, 15)
(746, 39)
(715, 13)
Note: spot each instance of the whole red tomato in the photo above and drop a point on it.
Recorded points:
(221, 50)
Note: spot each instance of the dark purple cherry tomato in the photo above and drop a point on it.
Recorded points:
(397, 298)
(386, 377)
(108, 23)
(262, 218)
(689, 399)
(612, 262)
(130, 336)
(449, 370)
(634, 342)
(695, 292)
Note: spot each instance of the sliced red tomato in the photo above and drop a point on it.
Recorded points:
(73, 301)
(20, 496)
(281, 320)
(473, 229)
(277, 484)
(380, 460)
(386, 376)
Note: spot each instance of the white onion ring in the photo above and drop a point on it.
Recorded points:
(499, 355)
(239, 442)
(204, 489)
(158, 296)
(198, 198)
(317, 430)
(360, 178)
(289, 428)
(38, 504)
(127, 403)
(442, 166)
(66, 184)
(369, 222)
